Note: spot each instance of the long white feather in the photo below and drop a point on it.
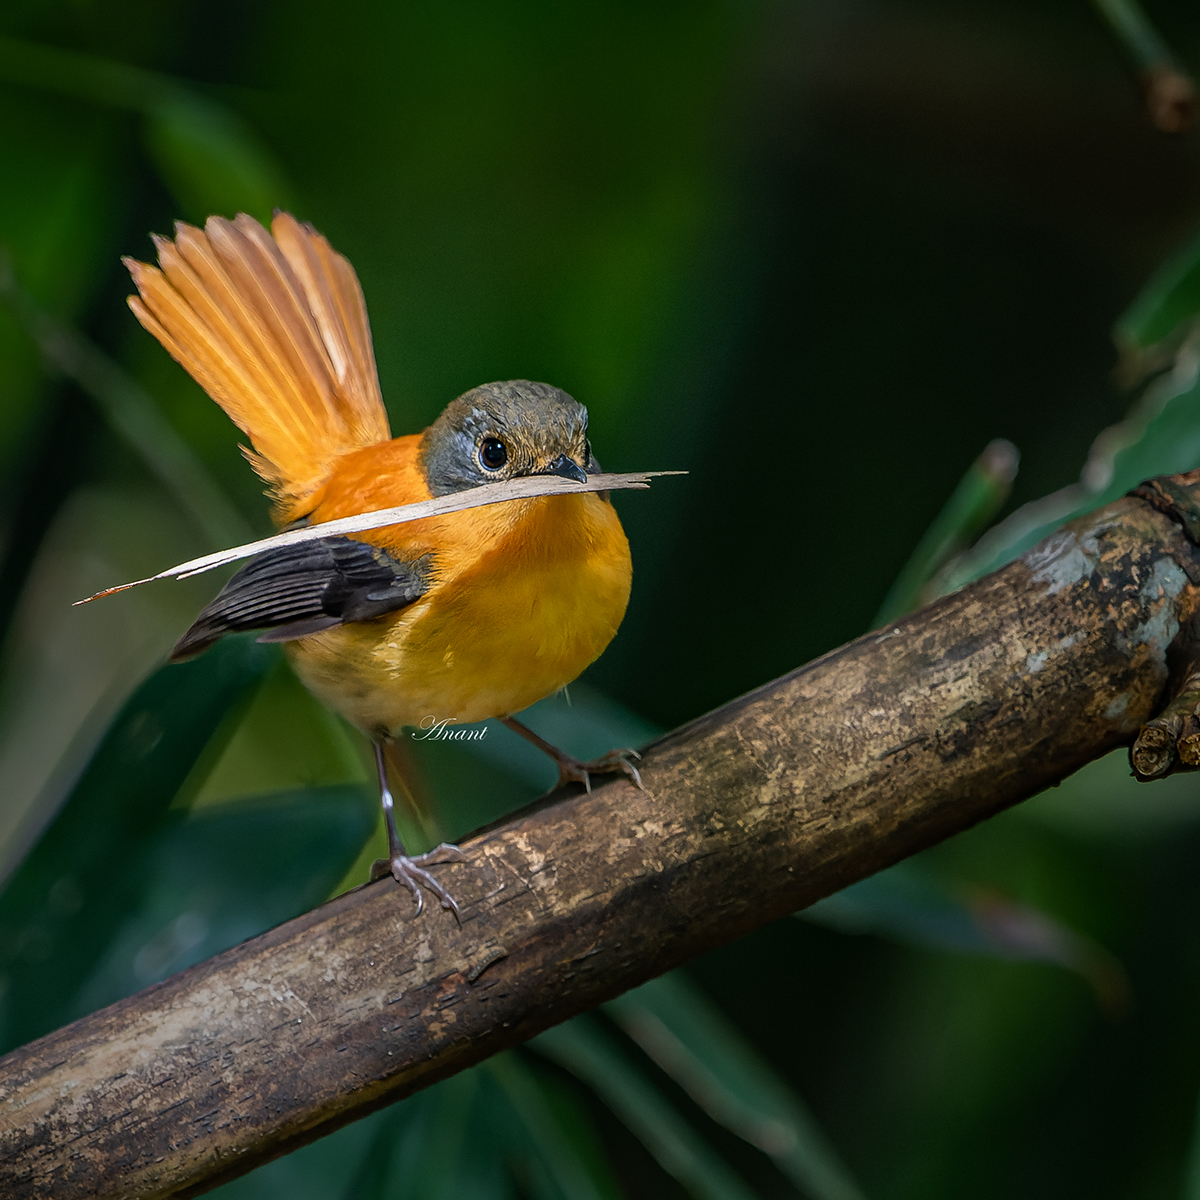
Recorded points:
(491, 493)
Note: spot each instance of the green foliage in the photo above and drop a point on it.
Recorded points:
(1167, 303)
(211, 160)
(584, 1050)
(86, 877)
(980, 495)
(1159, 436)
(690, 1040)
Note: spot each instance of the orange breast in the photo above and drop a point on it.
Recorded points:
(523, 596)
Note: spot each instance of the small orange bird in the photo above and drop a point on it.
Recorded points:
(456, 618)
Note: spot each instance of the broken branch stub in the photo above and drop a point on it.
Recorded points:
(1171, 740)
(877, 750)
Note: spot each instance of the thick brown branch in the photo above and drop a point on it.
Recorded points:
(816, 780)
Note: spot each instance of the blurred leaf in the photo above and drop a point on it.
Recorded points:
(80, 883)
(213, 877)
(1103, 801)
(130, 413)
(698, 1047)
(906, 903)
(448, 1150)
(566, 1159)
(1129, 22)
(464, 1137)
(400, 1131)
(582, 1048)
(287, 741)
(1169, 91)
(84, 76)
(212, 161)
(1160, 436)
(1191, 1183)
(1167, 302)
(979, 496)
(320, 1170)
(207, 155)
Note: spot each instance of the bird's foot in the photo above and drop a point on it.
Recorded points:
(571, 770)
(411, 873)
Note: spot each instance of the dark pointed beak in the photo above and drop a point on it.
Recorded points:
(568, 468)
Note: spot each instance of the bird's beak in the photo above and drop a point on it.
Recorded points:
(568, 468)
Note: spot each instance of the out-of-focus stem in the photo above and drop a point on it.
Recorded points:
(85, 76)
(1170, 91)
(980, 494)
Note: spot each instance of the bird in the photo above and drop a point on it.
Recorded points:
(458, 618)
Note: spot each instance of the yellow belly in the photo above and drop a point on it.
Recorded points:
(536, 600)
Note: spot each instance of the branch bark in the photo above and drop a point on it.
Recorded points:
(847, 765)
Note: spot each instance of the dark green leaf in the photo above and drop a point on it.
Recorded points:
(207, 155)
(1161, 436)
(980, 495)
(63, 904)
(452, 1153)
(129, 411)
(1168, 301)
(355, 1162)
(212, 161)
(1127, 19)
(1191, 1184)
(215, 877)
(908, 904)
(703, 1051)
(84, 76)
(565, 1158)
(583, 1049)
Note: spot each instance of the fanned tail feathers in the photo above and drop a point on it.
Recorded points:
(275, 330)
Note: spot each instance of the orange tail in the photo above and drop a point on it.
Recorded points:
(275, 331)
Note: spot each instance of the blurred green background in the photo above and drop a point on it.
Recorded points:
(819, 255)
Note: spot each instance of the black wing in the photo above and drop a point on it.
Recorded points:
(297, 590)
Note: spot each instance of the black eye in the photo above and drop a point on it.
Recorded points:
(493, 453)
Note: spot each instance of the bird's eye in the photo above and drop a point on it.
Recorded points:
(493, 453)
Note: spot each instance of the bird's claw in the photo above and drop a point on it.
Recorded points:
(411, 873)
(571, 770)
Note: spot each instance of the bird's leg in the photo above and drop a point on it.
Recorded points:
(405, 870)
(571, 770)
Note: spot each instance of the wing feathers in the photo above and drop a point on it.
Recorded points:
(275, 330)
(298, 590)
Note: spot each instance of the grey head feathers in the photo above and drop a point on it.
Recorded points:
(500, 431)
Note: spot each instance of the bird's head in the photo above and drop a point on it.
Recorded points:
(505, 430)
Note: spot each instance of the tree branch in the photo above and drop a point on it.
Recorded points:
(872, 752)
